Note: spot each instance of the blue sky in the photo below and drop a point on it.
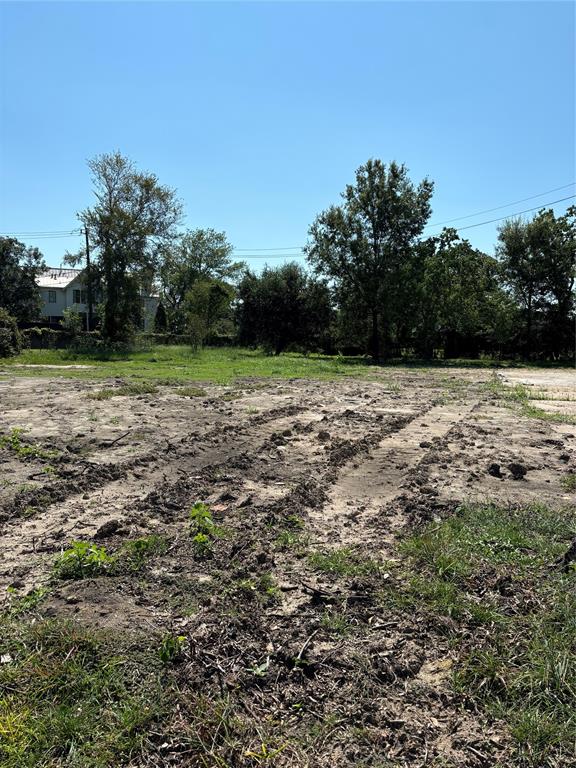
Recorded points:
(259, 113)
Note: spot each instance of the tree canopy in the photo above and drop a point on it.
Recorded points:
(20, 265)
(362, 244)
(130, 225)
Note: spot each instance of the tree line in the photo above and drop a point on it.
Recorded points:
(373, 284)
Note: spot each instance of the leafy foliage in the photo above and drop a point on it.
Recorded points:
(283, 307)
(132, 222)
(20, 265)
(10, 342)
(363, 244)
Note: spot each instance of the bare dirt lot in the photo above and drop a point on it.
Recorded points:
(292, 610)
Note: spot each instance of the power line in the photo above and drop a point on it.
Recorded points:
(254, 253)
(499, 207)
(512, 215)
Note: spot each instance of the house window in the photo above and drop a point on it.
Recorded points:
(80, 296)
(51, 297)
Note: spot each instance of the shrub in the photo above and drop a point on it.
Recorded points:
(10, 343)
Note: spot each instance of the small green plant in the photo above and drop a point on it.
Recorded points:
(336, 623)
(82, 559)
(292, 541)
(24, 450)
(203, 529)
(569, 482)
(171, 648)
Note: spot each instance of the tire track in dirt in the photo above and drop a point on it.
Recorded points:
(118, 493)
(352, 515)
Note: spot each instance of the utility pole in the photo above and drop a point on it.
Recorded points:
(89, 280)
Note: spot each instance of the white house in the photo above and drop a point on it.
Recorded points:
(62, 289)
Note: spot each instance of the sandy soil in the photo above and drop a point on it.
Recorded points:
(359, 462)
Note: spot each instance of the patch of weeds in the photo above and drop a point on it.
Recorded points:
(252, 410)
(124, 390)
(519, 396)
(342, 562)
(569, 482)
(135, 553)
(19, 605)
(190, 392)
(203, 530)
(74, 697)
(81, 560)
(335, 623)
(492, 565)
(263, 588)
(13, 442)
(293, 541)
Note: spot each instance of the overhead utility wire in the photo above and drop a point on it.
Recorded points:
(57, 233)
(499, 207)
(440, 223)
(458, 229)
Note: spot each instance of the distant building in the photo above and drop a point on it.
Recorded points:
(62, 289)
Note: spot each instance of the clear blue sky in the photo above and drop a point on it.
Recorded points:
(259, 113)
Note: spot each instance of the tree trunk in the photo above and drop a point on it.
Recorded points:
(529, 328)
(375, 337)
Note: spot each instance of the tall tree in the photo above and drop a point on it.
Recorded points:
(132, 222)
(283, 306)
(20, 265)
(197, 256)
(460, 304)
(362, 244)
(538, 260)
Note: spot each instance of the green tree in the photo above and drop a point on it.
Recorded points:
(538, 260)
(20, 265)
(363, 244)
(130, 226)
(197, 256)
(206, 305)
(10, 342)
(283, 306)
(459, 302)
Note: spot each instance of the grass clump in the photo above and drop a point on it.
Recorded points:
(494, 566)
(569, 482)
(190, 392)
(69, 697)
(124, 390)
(342, 562)
(520, 396)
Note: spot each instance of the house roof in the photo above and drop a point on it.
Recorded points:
(55, 277)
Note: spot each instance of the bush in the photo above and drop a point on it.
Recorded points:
(10, 343)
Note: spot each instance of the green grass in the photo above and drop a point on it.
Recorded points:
(73, 697)
(494, 567)
(124, 390)
(345, 562)
(178, 364)
(83, 559)
(520, 396)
